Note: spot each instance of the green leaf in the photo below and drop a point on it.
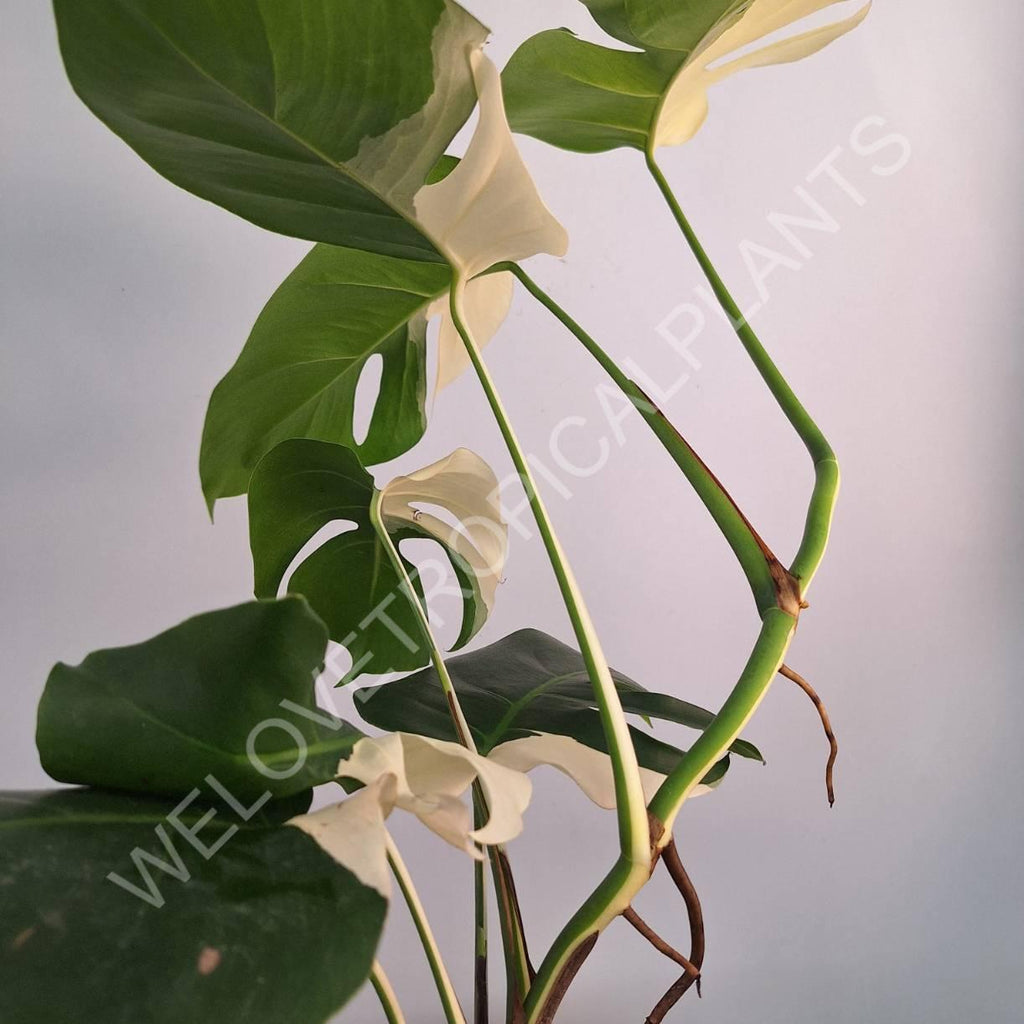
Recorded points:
(298, 374)
(300, 488)
(680, 25)
(314, 118)
(590, 98)
(529, 683)
(582, 96)
(162, 716)
(267, 929)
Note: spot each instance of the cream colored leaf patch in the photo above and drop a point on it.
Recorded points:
(488, 210)
(466, 486)
(485, 305)
(686, 104)
(353, 832)
(431, 778)
(428, 778)
(590, 769)
(398, 161)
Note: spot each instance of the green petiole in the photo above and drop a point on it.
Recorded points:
(517, 967)
(449, 1000)
(633, 867)
(386, 995)
(826, 483)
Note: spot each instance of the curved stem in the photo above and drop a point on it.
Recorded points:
(516, 962)
(736, 528)
(449, 1000)
(386, 994)
(777, 629)
(462, 728)
(633, 867)
(826, 484)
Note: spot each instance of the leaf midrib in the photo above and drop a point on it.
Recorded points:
(271, 757)
(334, 165)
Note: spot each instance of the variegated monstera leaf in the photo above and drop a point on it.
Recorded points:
(590, 98)
(303, 487)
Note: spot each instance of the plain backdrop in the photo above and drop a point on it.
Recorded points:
(123, 300)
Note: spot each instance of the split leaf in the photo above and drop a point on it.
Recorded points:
(303, 486)
(299, 371)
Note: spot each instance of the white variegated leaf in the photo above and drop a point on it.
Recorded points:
(590, 769)
(466, 486)
(685, 106)
(353, 832)
(488, 210)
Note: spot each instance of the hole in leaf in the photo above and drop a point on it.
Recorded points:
(367, 394)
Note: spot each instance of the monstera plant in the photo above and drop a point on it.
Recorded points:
(182, 875)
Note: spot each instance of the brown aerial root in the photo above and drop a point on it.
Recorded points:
(786, 671)
(659, 943)
(695, 962)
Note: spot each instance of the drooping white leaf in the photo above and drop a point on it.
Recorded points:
(590, 769)
(428, 778)
(466, 486)
(686, 105)
(431, 777)
(488, 210)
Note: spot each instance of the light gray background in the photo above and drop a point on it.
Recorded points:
(124, 300)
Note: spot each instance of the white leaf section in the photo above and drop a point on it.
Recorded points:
(590, 769)
(487, 211)
(353, 833)
(425, 777)
(399, 160)
(465, 485)
(486, 302)
(686, 105)
(432, 775)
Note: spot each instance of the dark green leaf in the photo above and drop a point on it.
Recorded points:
(526, 683)
(161, 716)
(314, 118)
(267, 929)
(298, 373)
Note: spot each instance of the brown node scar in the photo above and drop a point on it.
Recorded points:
(786, 671)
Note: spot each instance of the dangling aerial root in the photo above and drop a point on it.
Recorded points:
(672, 862)
(659, 943)
(786, 671)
